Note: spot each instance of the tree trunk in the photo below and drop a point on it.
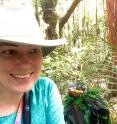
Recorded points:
(112, 24)
(50, 17)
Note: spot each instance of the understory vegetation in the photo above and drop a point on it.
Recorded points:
(88, 58)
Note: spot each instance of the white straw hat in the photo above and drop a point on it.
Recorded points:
(18, 24)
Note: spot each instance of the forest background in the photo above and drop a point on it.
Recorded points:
(90, 55)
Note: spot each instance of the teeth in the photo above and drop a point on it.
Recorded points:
(21, 76)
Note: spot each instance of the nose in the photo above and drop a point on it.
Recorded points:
(24, 60)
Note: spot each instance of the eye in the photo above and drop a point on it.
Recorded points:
(35, 51)
(9, 52)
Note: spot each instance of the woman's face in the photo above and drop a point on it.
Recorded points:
(20, 66)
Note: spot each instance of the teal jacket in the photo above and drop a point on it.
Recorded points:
(46, 104)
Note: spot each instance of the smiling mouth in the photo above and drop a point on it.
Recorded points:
(21, 76)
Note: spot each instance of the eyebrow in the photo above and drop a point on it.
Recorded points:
(7, 44)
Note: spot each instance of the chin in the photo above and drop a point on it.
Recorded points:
(23, 88)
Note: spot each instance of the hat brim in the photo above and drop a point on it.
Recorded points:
(34, 41)
(47, 50)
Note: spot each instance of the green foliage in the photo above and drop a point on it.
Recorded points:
(87, 56)
(87, 61)
(90, 103)
(58, 68)
(91, 94)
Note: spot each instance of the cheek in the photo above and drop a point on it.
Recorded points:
(6, 64)
(38, 63)
(5, 68)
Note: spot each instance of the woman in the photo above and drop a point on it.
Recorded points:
(21, 54)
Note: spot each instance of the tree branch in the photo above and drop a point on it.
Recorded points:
(65, 18)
